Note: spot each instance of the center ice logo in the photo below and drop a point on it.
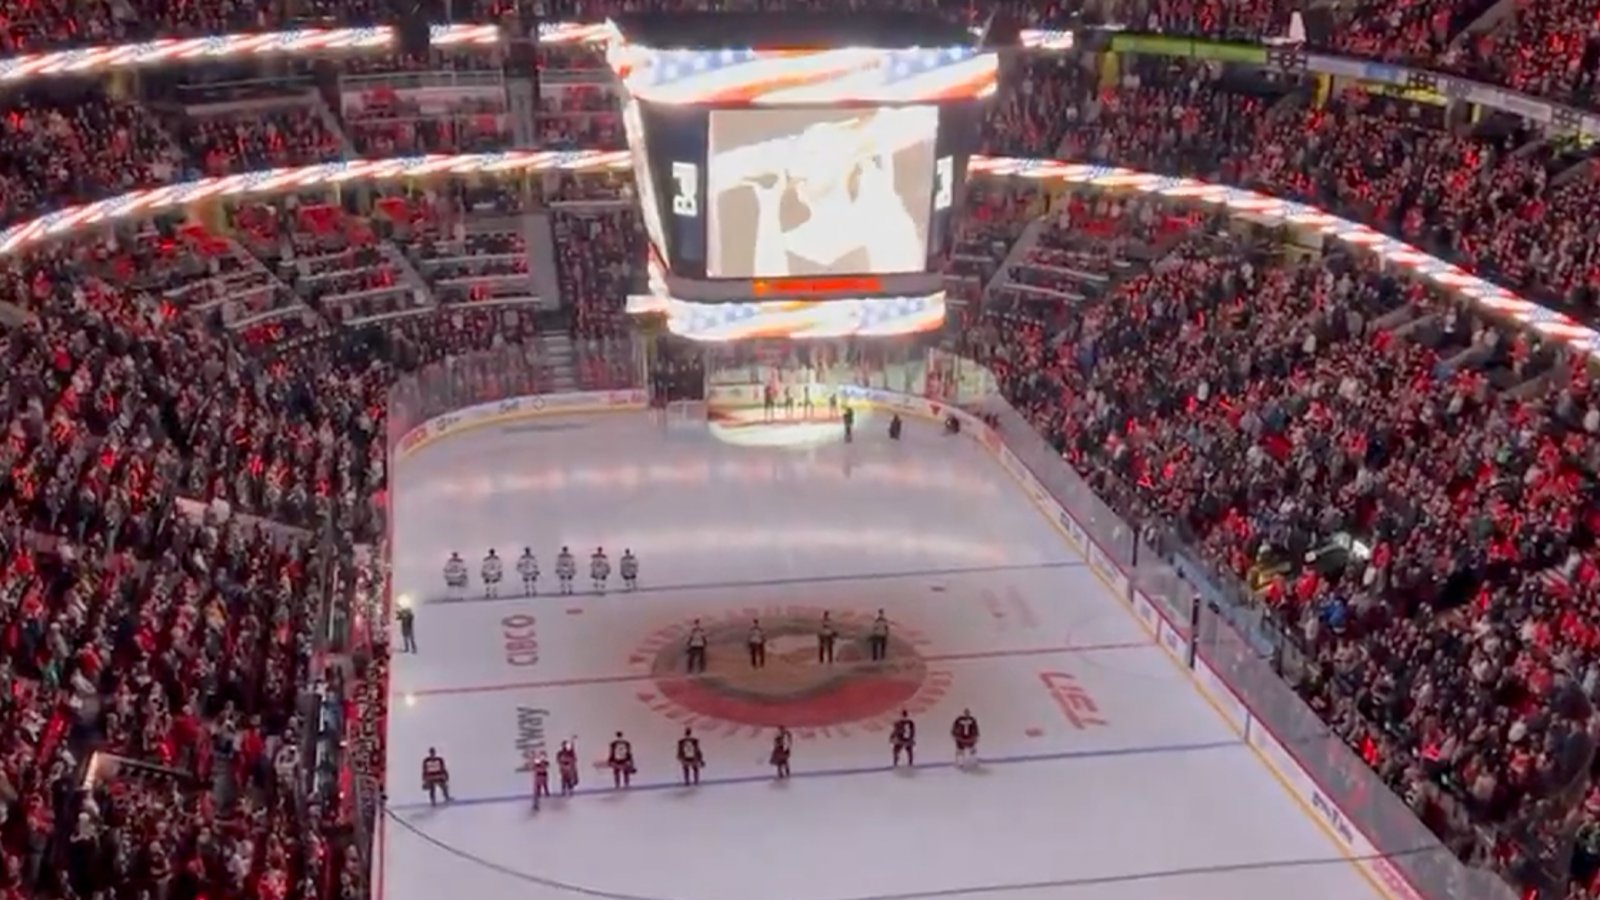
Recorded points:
(794, 688)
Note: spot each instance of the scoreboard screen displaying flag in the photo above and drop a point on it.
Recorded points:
(741, 193)
(778, 181)
(832, 191)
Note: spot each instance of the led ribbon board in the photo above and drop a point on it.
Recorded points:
(805, 77)
(378, 39)
(19, 238)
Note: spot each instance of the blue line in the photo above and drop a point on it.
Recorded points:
(840, 773)
(512, 591)
(977, 889)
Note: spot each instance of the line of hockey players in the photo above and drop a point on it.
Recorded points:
(770, 399)
(493, 572)
(691, 758)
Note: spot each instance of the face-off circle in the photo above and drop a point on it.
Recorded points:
(793, 689)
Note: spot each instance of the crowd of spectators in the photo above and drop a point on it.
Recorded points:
(385, 122)
(993, 219)
(78, 146)
(169, 481)
(1481, 201)
(1547, 49)
(599, 254)
(1495, 199)
(580, 115)
(258, 139)
(1276, 413)
(173, 495)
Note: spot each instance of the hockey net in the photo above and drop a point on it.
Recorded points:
(685, 414)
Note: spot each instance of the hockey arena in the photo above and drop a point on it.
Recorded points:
(1102, 772)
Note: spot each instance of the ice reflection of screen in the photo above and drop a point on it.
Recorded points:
(820, 191)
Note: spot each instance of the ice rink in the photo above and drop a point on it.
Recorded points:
(1104, 774)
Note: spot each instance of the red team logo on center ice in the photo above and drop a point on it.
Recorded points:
(794, 687)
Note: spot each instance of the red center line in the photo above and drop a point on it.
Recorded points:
(649, 676)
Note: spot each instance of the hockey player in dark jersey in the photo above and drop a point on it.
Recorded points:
(435, 777)
(541, 777)
(965, 733)
(621, 762)
(782, 748)
(690, 757)
(567, 765)
(903, 738)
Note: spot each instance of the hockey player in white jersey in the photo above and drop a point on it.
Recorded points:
(630, 570)
(599, 569)
(492, 570)
(455, 576)
(528, 568)
(566, 570)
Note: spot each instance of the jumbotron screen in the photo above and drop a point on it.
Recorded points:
(798, 174)
(816, 192)
(794, 192)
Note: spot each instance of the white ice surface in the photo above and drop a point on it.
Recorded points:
(1159, 801)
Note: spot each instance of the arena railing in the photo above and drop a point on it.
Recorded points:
(1226, 647)
(548, 365)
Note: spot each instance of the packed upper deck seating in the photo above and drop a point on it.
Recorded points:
(1496, 200)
